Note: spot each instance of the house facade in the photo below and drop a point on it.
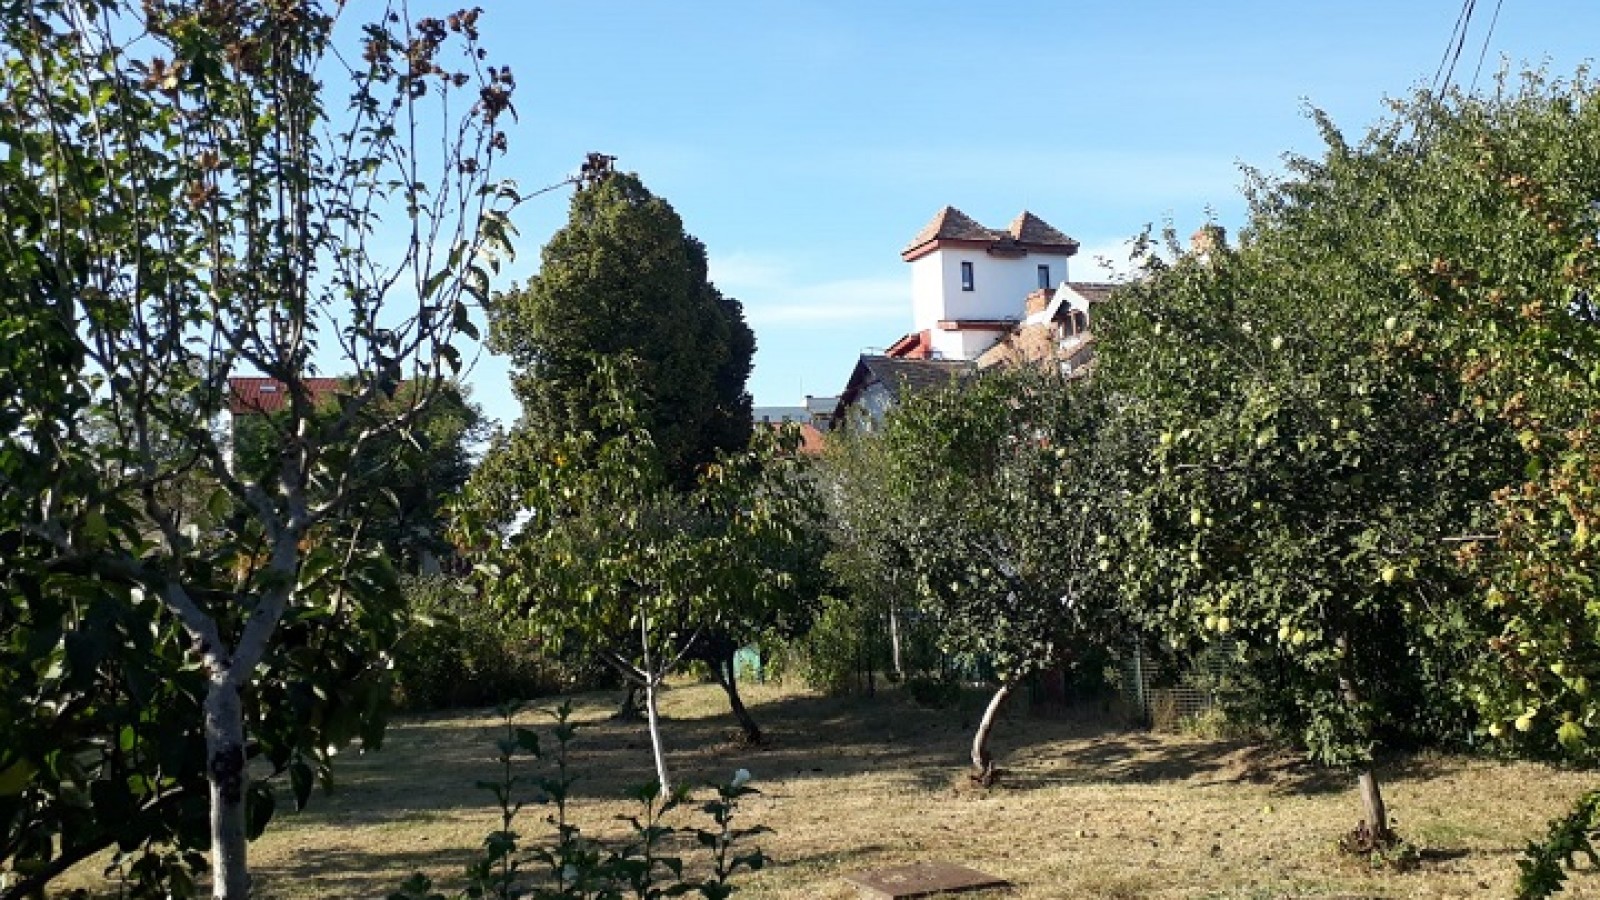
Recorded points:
(968, 281)
(980, 297)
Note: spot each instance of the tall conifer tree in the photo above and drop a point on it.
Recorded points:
(623, 280)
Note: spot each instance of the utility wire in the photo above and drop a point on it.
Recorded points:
(1438, 72)
(1493, 20)
(1447, 67)
(1452, 50)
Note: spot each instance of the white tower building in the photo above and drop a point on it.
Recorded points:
(969, 283)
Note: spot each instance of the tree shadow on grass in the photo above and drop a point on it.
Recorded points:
(1135, 758)
(339, 872)
(430, 763)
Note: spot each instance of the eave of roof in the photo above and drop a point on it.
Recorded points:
(952, 228)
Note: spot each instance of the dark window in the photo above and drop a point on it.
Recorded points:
(966, 276)
(1044, 276)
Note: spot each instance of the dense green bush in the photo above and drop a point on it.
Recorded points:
(458, 652)
(933, 692)
(846, 643)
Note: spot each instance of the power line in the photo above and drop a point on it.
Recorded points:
(1493, 20)
(1452, 50)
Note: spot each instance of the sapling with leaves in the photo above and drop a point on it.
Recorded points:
(170, 618)
(865, 558)
(610, 557)
(1004, 524)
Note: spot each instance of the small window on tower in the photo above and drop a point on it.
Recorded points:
(966, 276)
(1044, 276)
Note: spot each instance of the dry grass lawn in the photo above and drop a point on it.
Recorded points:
(1086, 811)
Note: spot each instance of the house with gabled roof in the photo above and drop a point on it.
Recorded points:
(975, 289)
(969, 281)
(878, 381)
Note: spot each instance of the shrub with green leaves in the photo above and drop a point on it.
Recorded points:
(460, 652)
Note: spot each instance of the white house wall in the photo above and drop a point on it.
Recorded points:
(963, 344)
(927, 291)
(1000, 285)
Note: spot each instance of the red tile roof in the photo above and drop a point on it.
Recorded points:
(951, 224)
(811, 438)
(1028, 228)
(251, 396)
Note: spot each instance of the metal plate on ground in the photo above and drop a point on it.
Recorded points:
(928, 879)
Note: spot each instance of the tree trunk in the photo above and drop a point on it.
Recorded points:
(225, 770)
(629, 710)
(1372, 806)
(894, 642)
(655, 735)
(982, 762)
(727, 676)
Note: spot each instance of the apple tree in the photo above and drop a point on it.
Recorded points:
(181, 206)
(1003, 524)
(1306, 465)
(608, 555)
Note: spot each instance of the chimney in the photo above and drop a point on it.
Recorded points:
(1208, 239)
(1038, 300)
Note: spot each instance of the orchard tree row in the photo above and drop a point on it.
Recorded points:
(1357, 450)
(1360, 445)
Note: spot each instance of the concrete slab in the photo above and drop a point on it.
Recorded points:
(925, 879)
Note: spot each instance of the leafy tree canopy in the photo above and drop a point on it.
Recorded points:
(179, 206)
(1002, 521)
(621, 280)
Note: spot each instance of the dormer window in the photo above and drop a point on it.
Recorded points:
(1044, 277)
(966, 276)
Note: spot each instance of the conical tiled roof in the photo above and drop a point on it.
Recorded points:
(1028, 228)
(951, 224)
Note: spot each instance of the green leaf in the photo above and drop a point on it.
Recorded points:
(15, 777)
(301, 780)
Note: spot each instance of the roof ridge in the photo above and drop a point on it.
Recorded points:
(950, 223)
(1028, 228)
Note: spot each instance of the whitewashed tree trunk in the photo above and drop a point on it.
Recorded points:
(982, 761)
(225, 770)
(652, 684)
(894, 641)
(652, 714)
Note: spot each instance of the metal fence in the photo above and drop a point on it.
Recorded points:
(1165, 701)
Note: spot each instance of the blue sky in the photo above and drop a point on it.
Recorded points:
(805, 143)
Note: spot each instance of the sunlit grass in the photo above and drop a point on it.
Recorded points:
(1087, 810)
